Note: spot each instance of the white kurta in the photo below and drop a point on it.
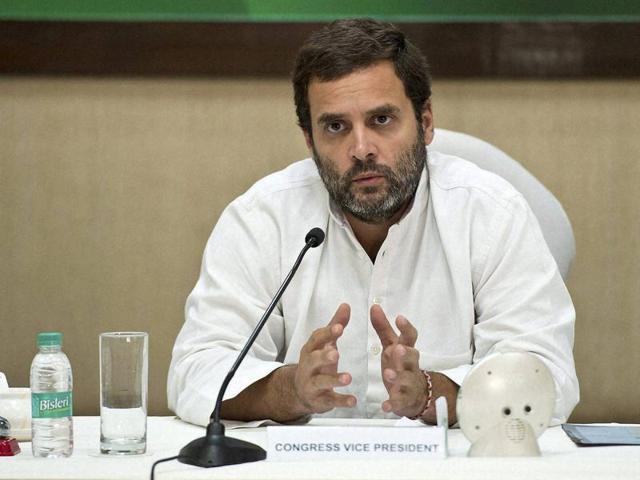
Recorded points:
(467, 265)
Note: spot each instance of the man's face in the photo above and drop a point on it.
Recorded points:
(367, 144)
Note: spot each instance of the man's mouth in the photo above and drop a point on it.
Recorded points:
(372, 178)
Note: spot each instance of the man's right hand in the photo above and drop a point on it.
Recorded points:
(316, 374)
(293, 391)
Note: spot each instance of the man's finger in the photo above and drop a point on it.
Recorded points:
(342, 315)
(340, 400)
(328, 382)
(408, 333)
(323, 359)
(405, 358)
(322, 336)
(382, 326)
(390, 375)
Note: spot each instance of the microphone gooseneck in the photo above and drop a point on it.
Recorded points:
(215, 449)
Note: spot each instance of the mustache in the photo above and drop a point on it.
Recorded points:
(370, 166)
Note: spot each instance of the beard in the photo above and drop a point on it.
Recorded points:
(375, 204)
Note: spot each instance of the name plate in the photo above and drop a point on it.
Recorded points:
(293, 443)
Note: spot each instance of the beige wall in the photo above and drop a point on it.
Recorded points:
(109, 189)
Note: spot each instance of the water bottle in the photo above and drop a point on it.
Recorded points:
(51, 399)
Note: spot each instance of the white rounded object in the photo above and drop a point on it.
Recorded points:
(15, 406)
(506, 389)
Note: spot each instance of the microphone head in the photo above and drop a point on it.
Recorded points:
(315, 237)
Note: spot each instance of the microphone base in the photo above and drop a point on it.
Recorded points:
(217, 450)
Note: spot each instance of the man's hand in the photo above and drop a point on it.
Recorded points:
(293, 391)
(401, 373)
(316, 374)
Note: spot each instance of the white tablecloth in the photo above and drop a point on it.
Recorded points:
(561, 459)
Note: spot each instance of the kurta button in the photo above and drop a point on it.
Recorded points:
(376, 349)
(377, 300)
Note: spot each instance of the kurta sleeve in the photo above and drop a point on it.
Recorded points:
(240, 272)
(521, 301)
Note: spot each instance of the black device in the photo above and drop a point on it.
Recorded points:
(215, 449)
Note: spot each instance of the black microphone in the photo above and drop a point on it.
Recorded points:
(215, 449)
(315, 236)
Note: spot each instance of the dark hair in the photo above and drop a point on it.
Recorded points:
(344, 46)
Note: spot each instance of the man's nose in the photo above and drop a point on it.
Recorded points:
(363, 146)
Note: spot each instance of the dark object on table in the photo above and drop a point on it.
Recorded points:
(8, 446)
(601, 435)
(5, 427)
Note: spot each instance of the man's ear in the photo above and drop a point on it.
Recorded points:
(308, 139)
(427, 122)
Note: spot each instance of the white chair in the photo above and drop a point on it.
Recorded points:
(553, 220)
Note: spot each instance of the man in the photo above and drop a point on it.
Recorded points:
(429, 263)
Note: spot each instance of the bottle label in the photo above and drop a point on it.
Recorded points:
(51, 405)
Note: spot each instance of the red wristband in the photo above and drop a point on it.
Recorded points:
(429, 396)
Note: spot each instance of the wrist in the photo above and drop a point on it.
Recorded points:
(428, 396)
(443, 386)
(296, 404)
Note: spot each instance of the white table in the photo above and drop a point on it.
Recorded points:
(166, 436)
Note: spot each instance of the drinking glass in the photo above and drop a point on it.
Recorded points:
(123, 392)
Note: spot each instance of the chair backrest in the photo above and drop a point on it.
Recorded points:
(553, 220)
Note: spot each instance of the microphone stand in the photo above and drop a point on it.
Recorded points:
(215, 449)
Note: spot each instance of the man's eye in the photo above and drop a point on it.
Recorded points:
(335, 127)
(382, 119)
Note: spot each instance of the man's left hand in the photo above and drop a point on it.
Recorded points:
(401, 374)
